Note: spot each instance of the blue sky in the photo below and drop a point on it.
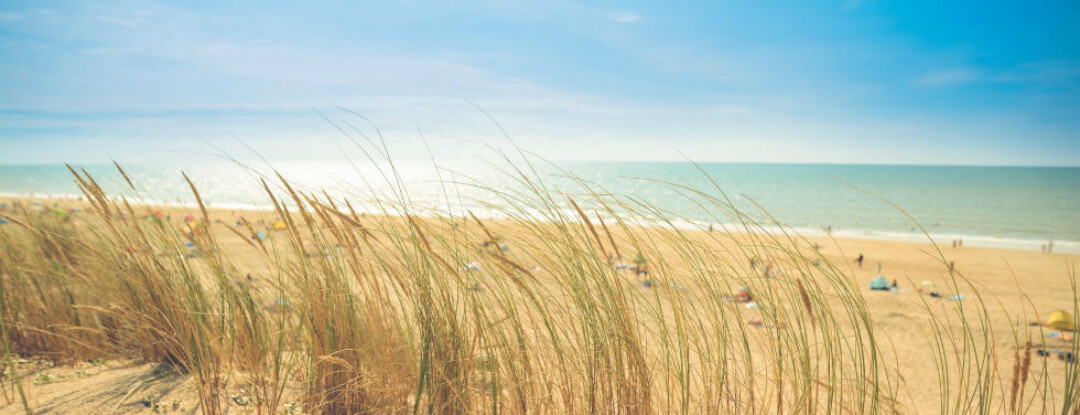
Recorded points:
(908, 82)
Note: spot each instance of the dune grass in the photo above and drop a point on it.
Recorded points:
(406, 310)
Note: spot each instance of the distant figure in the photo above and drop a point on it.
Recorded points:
(743, 296)
(895, 285)
(1050, 247)
(753, 263)
(960, 243)
(952, 266)
(860, 259)
(954, 243)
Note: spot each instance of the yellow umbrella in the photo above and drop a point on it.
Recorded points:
(1061, 320)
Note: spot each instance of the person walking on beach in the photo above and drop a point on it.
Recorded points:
(860, 259)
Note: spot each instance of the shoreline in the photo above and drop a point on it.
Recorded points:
(1060, 246)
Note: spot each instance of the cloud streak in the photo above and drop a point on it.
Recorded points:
(946, 78)
(626, 18)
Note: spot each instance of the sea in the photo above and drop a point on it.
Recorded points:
(1027, 208)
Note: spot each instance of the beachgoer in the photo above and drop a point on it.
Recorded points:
(743, 296)
(860, 259)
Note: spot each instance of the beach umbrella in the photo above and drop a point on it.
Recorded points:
(1061, 320)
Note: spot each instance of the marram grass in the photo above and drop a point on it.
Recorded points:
(411, 311)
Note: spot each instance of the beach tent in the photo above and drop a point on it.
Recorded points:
(279, 225)
(1061, 320)
(880, 283)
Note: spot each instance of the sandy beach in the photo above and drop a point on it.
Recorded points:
(1019, 288)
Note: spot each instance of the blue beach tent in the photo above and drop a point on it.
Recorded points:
(880, 283)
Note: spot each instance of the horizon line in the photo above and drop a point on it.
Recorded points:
(804, 163)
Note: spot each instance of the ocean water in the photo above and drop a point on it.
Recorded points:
(1014, 207)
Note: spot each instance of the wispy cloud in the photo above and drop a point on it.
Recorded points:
(16, 46)
(627, 18)
(946, 78)
(9, 16)
(1062, 72)
(132, 20)
(109, 51)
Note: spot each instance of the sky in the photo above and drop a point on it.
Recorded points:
(849, 81)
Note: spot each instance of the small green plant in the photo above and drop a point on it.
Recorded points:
(43, 378)
(291, 408)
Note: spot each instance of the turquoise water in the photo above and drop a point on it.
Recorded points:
(1020, 207)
